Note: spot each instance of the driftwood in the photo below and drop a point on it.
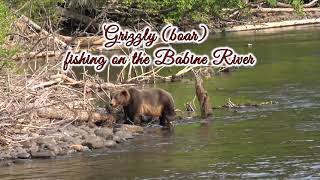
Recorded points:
(309, 5)
(64, 79)
(273, 25)
(36, 55)
(270, 10)
(76, 115)
(55, 37)
(204, 99)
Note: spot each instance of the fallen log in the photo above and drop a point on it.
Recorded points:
(272, 25)
(36, 55)
(308, 5)
(64, 79)
(76, 115)
(41, 30)
(270, 10)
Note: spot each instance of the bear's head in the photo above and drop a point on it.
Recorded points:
(120, 98)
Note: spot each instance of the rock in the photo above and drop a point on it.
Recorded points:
(63, 152)
(5, 154)
(26, 144)
(124, 135)
(86, 149)
(77, 147)
(47, 132)
(128, 128)
(71, 151)
(110, 143)
(118, 139)
(94, 142)
(85, 128)
(34, 135)
(71, 140)
(43, 154)
(45, 141)
(56, 149)
(34, 147)
(75, 131)
(68, 139)
(105, 133)
(23, 155)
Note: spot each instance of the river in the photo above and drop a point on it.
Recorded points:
(278, 141)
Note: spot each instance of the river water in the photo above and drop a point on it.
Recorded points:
(272, 141)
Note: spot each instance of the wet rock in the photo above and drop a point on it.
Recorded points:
(5, 154)
(94, 142)
(105, 133)
(118, 139)
(124, 135)
(14, 152)
(34, 147)
(23, 155)
(78, 147)
(71, 151)
(43, 154)
(110, 143)
(128, 128)
(63, 151)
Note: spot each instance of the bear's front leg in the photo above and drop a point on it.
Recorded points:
(137, 120)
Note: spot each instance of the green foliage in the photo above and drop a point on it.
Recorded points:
(37, 10)
(198, 10)
(6, 19)
(297, 5)
(272, 3)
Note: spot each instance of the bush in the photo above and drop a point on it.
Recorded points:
(6, 19)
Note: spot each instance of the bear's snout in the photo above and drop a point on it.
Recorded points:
(113, 103)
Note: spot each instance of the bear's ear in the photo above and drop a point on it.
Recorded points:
(124, 93)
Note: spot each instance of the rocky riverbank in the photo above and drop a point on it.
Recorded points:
(68, 140)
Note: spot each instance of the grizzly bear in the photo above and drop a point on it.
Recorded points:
(147, 102)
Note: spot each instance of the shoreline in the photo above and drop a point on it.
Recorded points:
(269, 25)
(53, 143)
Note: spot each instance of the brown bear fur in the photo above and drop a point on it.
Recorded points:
(147, 102)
